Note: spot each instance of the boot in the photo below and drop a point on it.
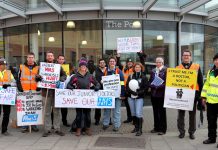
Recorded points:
(139, 132)
(78, 131)
(88, 131)
(135, 120)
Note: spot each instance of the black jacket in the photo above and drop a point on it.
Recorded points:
(98, 76)
(143, 85)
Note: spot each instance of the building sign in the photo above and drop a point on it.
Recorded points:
(66, 98)
(129, 44)
(122, 24)
(50, 73)
(29, 108)
(180, 88)
(8, 96)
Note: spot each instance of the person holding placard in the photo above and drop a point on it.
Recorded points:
(157, 84)
(6, 80)
(209, 96)
(127, 70)
(120, 93)
(137, 86)
(49, 102)
(83, 80)
(187, 64)
(27, 80)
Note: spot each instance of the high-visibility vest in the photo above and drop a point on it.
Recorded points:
(210, 87)
(126, 74)
(117, 71)
(6, 79)
(192, 67)
(27, 77)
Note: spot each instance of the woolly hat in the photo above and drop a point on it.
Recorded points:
(83, 62)
(215, 57)
(2, 61)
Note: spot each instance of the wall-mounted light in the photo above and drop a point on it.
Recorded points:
(84, 42)
(159, 37)
(51, 39)
(39, 33)
(71, 24)
(136, 24)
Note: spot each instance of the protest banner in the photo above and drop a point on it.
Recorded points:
(66, 68)
(65, 98)
(8, 96)
(180, 88)
(29, 108)
(129, 44)
(50, 73)
(112, 82)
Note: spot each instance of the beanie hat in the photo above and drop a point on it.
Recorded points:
(215, 57)
(129, 60)
(83, 62)
(2, 61)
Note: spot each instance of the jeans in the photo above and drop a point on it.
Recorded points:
(116, 114)
(136, 107)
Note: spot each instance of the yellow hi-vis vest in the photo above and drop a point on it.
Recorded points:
(6, 77)
(210, 88)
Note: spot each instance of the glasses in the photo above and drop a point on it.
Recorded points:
(186, 55)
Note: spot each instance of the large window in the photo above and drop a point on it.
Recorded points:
(16, 44)
(211, 47)
(192, 38)
(82, 39)
(1, 44)
(160, 40)
(46, 37)
(114, 29)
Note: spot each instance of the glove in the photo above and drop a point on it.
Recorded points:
(5, 86)
(140, 92)
(200, 106)
(38, 78)
(19, 87)
(57, 84)
(96, 88)
(133, 93)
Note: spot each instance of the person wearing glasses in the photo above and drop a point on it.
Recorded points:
(188, 64)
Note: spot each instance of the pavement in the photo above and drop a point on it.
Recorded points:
(109, 140)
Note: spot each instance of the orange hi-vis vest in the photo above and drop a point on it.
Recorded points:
(192, 67)
(27, 77)
(6, 78)
(126, 74)
(116, 71)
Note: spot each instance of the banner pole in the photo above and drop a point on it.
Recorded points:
(30, 128)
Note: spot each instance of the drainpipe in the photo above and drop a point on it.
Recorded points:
(179, 38)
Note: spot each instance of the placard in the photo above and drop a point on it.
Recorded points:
(112, 82)
(66, 98)
(29, 108)
(180, 88)
(129, 44)
(50, 73)
(66, 68)
(8, 96)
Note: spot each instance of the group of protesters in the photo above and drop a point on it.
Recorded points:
(87, 76)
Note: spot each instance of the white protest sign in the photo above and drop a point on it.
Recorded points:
(50, 73)
(29, 108)
(112, 82)
(67, 98)
(129, 44)
(8, 96)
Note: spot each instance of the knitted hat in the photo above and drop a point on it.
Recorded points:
(215, 57)
(83, 62)
(2, 61)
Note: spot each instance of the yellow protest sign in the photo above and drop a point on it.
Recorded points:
(66, 68)
(181, 78)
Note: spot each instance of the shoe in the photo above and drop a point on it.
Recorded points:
(134, 130)
(209, 141)
(60, 133)
(88, 131)
(24, 130)
(97, 123)
(153, 131)
(6, 133)
(35, 129)
(192, 136)
(105, 127)
(115, 129)
(127, 121)
(181, 135)
(46, 134)
(78, 132)
(161, 133)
